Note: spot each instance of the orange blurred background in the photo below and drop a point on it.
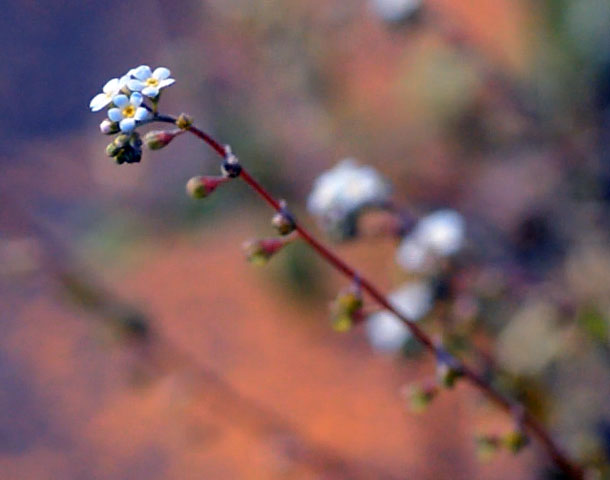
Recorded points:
(243, 377)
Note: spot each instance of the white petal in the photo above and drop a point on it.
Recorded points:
(135, 85)
(112, 86)
(412, 254)
(123, 81)
(386, 332)
(166, 83)
(120, 101)
(443, 231)
(115, 114)
(151, 92)
(98, 102)
(136, 99)
(142, 72)
(127, 124)
(161, 73)
(141, 114)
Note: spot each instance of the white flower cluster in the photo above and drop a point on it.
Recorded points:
(396, 11)
(125, 97)
(385, 331)
(437, 235)
(340, 194)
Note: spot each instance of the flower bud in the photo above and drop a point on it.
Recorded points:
(112, 150)
(259, 251)
(121, 140)
(420, 396)
(157, 139)
(447, 375)
(184, 121)
(230, 166)
(203, 186)
(515, 441)
(128, 154)
(487, 446)
(108, 127)
(283, 221)
(135, 141)
(346, 309)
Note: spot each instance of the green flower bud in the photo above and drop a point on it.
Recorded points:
(447, 375)
(420, 396)
(112, 150)
(184, 121)
(135, 141)
(487, 446)
(283, 222)
(128, 154)
(121, 140)
(515, 441)
(346, 310)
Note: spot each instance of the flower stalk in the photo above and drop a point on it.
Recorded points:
(535, 428)
(125, 97)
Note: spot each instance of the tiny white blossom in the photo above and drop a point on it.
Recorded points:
(111, 89)
(344, 190)
(396, 10)
(127, 110)
(439, 234)
(388, 333)
(148, 82)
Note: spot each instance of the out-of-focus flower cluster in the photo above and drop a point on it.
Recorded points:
(397, 11)
(341, 194)
(132, 100)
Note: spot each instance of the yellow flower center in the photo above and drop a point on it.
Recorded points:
(129, 111)
(152, 82)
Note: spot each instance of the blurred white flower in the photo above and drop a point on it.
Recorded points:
(109, 91)
(439, 234)
(127, 111)
(388, 333)
(148, 82)
(396, 10)
(342, 192)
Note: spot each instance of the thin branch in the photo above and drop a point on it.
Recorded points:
(562, 461)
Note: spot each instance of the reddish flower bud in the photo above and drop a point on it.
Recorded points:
(203, 186)
(259, 251)
(157, 139)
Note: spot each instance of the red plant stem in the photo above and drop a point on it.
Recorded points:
(528, 420)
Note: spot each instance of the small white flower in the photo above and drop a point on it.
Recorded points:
(388, 333)
(344, 190)
(148, 82)
(109, 91)
(396, 10)
(127, 111)
(439, 234)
